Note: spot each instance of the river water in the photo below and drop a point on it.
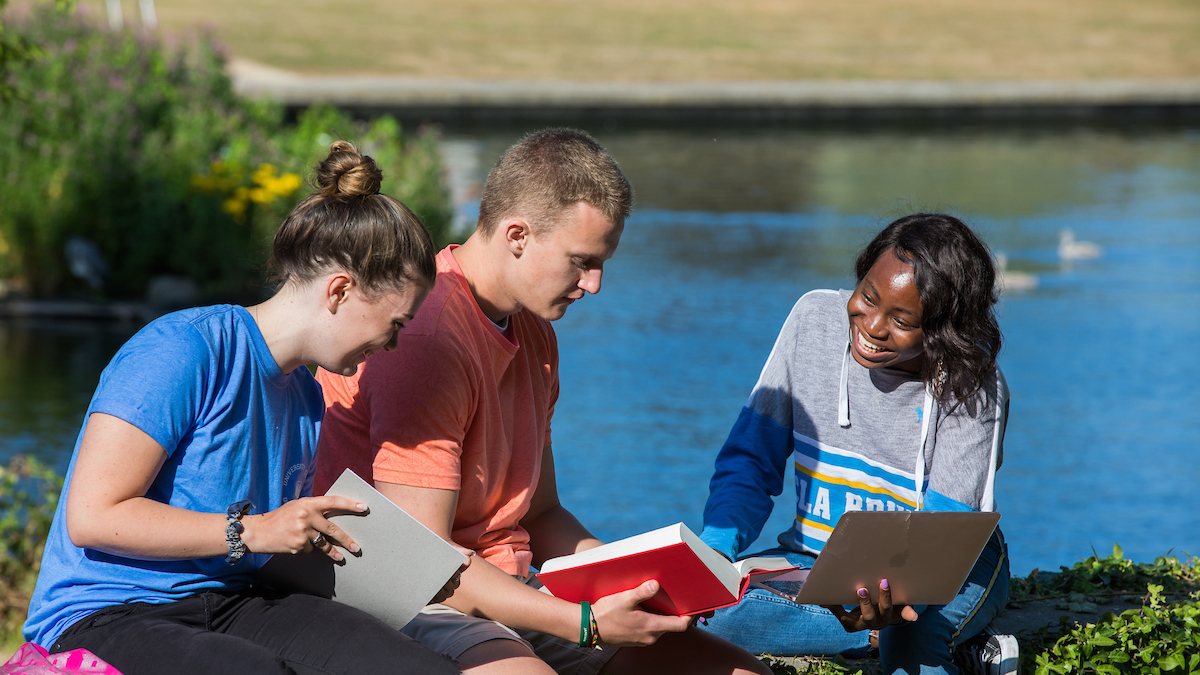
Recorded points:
(732, 227)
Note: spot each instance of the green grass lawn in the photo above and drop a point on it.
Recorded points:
(706, 40)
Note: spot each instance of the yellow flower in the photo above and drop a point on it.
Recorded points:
(263, 174)
(234, 207)
(287, 184)
(228, 177)
(237, 204)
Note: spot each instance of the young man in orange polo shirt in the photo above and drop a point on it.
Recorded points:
(455, 426)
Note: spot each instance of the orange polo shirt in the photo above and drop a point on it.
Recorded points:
(458, 405)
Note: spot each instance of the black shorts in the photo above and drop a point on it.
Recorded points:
(249, 632)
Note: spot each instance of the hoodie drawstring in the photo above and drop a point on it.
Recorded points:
(928, 411)
(843, 391)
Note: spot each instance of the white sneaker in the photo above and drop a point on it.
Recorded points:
(988, 654)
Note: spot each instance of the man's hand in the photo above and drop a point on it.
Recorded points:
(623, 623)
(868, 616)
(453, 582)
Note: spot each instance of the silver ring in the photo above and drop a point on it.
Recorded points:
(318, 540)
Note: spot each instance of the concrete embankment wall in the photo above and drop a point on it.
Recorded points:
(475, 101)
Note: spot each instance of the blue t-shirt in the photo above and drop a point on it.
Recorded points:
(202, 383)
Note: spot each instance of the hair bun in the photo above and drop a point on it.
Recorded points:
(347, 173)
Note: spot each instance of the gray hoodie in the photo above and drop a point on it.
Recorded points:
(859, 439)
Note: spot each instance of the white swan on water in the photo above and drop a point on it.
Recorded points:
(1069, 249)
(1009, 280)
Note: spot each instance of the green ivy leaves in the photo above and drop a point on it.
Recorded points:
(1158, 638)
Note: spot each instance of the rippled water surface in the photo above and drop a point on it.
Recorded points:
(1103, 440)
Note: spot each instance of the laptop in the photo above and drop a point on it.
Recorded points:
(925, 556)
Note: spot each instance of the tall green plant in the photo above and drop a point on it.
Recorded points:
(28, 496)
(411, 164)
(104, 147)
(147, 152)
(15, 49)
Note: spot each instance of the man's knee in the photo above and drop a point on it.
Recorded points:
(502, 657)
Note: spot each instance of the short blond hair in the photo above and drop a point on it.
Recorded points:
(549, 171)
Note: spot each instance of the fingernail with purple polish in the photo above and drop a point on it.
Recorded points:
(862, 592)
(883, 584)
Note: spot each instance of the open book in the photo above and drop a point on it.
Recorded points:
(401, 566)
(692, 577)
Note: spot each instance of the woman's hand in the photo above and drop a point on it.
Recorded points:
(868, 616)
(622, 622)
(301, 525)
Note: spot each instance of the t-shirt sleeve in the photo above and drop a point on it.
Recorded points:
(156, 382)
(421, 401)
(969, 446)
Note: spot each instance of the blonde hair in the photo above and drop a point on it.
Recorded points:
(548, 171)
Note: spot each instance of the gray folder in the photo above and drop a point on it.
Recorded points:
(401, 565)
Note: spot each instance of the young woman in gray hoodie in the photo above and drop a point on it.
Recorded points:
(887, 397)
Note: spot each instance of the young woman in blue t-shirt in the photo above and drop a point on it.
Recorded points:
(196, 459)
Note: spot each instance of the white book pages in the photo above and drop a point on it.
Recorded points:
(647, 541)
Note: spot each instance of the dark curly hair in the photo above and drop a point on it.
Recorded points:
(956, 283)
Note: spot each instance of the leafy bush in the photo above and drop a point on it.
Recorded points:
(1098, 578)
(15, 49)
(146, 151)
(808, 665)
(28, 496)
(1155, 639)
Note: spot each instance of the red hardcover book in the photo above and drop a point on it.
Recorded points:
(692, 577)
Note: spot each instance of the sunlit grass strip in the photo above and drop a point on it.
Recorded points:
(708, 40)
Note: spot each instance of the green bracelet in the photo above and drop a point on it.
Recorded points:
(585, 624)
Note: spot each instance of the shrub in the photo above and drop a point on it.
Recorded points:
(1157, 638)
(1153, 640)
(147, 151)
(28, 496)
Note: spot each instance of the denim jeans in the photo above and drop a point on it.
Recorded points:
(764, 623)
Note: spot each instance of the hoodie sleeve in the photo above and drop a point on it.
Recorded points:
(750, 467)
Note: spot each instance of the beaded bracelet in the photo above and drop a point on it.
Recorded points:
(595, 629)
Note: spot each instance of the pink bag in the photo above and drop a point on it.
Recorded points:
(31, 659)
